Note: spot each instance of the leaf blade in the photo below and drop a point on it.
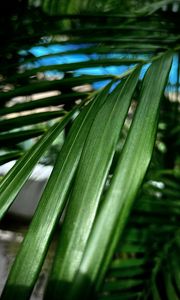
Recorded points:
(124, 184)
(90, 179)
(35, 244)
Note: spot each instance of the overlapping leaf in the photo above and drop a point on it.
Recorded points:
(92, 172)
(17, 176)
(127, 179)
(53, 200)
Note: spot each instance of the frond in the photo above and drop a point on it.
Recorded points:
(108, 82)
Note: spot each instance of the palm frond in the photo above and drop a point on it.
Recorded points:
(113, 195)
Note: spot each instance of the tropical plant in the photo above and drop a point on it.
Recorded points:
(116, 176)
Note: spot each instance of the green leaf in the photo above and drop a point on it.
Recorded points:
(169, 287)
(155, 293)
(30, 258)
(42, 86)
(30, 119)
(45, 102)
(122, 284)
(89, 183)
(12, 138)
(10, 156)
(17, 176)
(128, 176)
(77, 66)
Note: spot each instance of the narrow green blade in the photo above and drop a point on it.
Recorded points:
(30, 258)
(8, 124)
(155, 293)
(10, 156)
(17, 176)
(77, 66)
(46, 85)
(126, 181)
(169, 286)
(45, 102)
(90, 179)
(15, 137)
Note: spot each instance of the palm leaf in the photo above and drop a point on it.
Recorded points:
(16, 177)
(126, 257)
(51, 205)
(95, 260)
(91, 175)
